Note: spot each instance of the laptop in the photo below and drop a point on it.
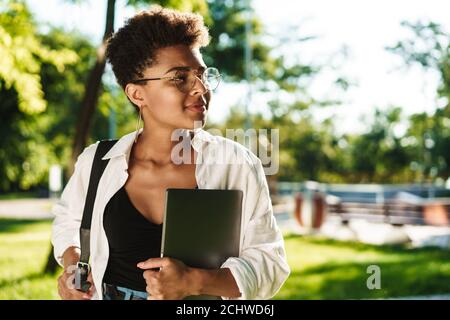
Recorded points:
(202, 227)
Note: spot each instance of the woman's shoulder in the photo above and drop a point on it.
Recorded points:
(120, 145)
(86, 157)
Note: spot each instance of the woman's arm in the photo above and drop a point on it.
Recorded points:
(70, 257)
(218, 282)
(68, 210)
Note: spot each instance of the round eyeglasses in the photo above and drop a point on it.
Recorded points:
(185, 79)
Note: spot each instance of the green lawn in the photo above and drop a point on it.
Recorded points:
(321, 269)
(24, 246)
(327, 269)
(19, 195)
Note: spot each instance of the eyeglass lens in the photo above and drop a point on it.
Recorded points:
(185, 80)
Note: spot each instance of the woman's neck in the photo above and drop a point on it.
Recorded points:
(155, 145)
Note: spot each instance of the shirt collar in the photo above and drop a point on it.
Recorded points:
(123, 146)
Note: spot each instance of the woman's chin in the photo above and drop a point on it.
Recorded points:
(197, 122)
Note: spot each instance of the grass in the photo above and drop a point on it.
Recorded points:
(328, 269)
(321, 269)
(20, 195)
(24, 246)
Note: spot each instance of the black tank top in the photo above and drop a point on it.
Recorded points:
(132, 239)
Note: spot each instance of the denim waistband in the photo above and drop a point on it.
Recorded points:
(112, 292)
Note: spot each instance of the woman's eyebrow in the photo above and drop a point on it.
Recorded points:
(185, 68)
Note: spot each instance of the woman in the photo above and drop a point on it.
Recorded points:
(156, 59)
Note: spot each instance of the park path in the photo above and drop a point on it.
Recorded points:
(27, 208)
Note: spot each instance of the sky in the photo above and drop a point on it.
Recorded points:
(364, 27)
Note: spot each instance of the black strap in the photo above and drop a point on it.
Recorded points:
(98, 166)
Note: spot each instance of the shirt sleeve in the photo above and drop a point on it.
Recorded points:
(262, 268)
(68, 210)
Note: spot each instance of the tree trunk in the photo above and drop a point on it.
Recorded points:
(87, 109)
(92, 90)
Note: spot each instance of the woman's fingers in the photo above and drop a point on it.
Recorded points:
(79, 295)
(67, 291)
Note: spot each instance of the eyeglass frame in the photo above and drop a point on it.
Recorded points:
(137, 81)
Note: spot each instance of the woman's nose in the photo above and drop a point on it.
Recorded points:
(199, 86)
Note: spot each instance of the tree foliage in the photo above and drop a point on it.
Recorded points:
(23, 53)
(429, 134)
(43, 77)
(25, 152)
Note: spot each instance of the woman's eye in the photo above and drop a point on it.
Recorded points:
(179, 78)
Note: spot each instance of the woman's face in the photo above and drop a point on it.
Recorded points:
(163, 103)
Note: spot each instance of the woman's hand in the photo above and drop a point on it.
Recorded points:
(173, 281)
(66, 286)
(66, 282)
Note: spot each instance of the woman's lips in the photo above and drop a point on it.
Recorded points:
(197, 108)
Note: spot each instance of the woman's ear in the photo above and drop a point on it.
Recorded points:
(134, 93)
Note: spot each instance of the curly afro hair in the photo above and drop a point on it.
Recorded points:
(134, 47)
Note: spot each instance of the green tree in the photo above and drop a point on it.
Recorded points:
(429, 137)
(307, 150)
(428, 46)
(24, 153)
(378, 155)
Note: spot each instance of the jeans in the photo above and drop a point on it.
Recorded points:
(111, 292)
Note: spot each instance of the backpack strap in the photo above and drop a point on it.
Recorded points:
(98, 166)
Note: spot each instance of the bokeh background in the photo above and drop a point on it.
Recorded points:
(359, 91)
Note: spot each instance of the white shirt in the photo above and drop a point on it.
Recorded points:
(261, 268)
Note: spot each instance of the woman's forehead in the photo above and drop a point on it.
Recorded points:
(179, 56)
